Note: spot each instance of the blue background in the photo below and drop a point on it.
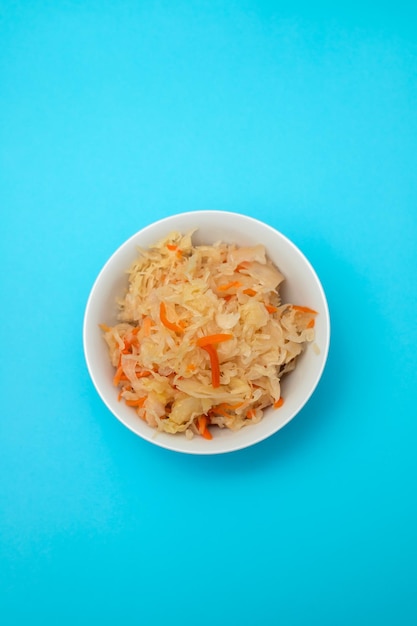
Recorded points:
(115, 114)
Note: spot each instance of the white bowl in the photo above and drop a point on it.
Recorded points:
(301, 286)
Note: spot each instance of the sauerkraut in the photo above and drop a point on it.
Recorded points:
(203, 338)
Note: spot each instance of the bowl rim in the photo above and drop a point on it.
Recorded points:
(176, 441)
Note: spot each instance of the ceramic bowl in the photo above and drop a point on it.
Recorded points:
(301, 286)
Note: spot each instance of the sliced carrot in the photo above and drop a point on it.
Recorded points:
(128, 343)
(250, 414)
(143, 374)
(139, 402)
(279, 403)
(165, 320)
(172, 247)
(191, 367)
(270, 308)
(231, 407)
(225, 287)
(249, 292)
(311, 324)
(215, 365)
(207, 344)
(304, 309)
(226, 409)
(210, 339)
(242, 266)
(202, 427)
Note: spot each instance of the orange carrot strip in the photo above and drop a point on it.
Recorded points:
(139, 402)
(311, 324)
(231, 407)
(249, 292)
(191, 367)
(210, 339)
(165, 320)
(128, 345)
(220, 410)
(250, 414)
(143, 374)
(279, 403)
(174, 248)
(202, 427)
(119, 376)
(304, 309)
(270, 308)
(215, 365)
(234, 283)
(225, 409)
(242, 266)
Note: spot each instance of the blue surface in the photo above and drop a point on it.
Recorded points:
(114, 114)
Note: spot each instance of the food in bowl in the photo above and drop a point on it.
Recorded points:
(203, 338)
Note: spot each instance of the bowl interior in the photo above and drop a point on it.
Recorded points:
(301, 286)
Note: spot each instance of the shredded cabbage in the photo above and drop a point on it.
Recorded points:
(203, 337)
